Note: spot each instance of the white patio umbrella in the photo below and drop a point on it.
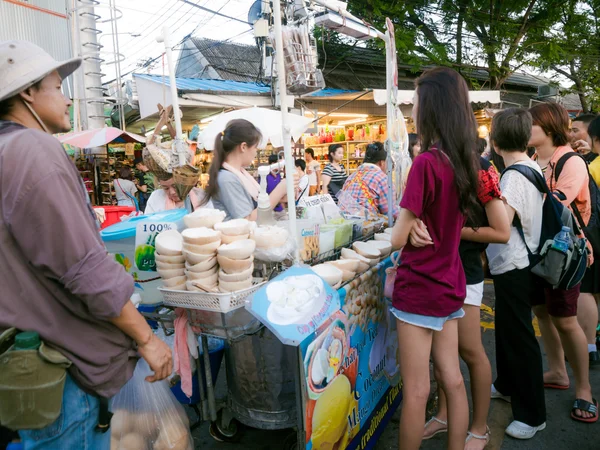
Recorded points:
(268, 121)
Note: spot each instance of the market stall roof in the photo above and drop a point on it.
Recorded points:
(99, 137)
(207, 86)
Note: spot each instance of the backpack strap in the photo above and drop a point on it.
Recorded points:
(557, 171)
(538, 181)
(560, 164)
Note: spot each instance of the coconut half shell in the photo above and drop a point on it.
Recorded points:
(238, 250)
(200, 236)
(229, 265)
(169, 243)
(234, 227)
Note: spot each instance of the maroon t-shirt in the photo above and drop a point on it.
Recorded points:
(431, 280)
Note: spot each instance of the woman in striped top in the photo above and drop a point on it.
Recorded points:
(334, 175)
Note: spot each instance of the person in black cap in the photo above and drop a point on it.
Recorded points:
(144, 182)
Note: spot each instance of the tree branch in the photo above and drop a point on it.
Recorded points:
(512, 49)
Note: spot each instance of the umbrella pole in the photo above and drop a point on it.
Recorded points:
(290, 167)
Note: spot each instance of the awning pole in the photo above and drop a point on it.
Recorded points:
(290, 167)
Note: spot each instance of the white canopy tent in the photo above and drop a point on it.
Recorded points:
(406, 97)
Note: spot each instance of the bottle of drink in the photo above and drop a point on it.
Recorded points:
(562, 241)
(27, 340)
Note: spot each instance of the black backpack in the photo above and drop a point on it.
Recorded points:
(556, 268)
(592, 228)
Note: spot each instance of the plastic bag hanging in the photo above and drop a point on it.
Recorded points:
(147, 416)
(301, 60)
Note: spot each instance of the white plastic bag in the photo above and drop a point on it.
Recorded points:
(147, 416)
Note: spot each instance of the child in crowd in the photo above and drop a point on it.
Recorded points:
(557, 311)
(441, 192)
(518, 357)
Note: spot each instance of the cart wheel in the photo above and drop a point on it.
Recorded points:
(291, 442)
(222, 434)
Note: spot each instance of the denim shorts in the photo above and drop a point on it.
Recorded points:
(432, 323)
(75, 428)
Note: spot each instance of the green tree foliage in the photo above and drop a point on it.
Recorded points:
(466, 34)
(571, 49)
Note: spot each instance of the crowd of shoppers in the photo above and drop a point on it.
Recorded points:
(441, 224)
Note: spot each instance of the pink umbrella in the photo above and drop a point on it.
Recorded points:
(99, 137)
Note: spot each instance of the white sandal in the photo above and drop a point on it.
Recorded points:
(441, 430)
(486, 437)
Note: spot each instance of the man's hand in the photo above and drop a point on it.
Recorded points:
(158, 356)
(582, 146)
(419, 236)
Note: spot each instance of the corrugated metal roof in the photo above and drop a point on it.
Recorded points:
(50, 32)
(235, 62)
(190, 85)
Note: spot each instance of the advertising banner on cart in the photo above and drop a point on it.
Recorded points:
(352, 381)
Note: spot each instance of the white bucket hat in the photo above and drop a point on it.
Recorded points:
(22, 64)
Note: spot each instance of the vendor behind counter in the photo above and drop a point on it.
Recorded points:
(166, 198)
(366, 190)
(231, 188)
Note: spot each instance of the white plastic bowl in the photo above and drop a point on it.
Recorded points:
(331, 274)
(367, 249)
(174, 281)
(210, 280)
(200, 236)
(233, 286)
(179, 259)
(169, 243)
(204, 217)
(385, 247)
(232, 277)
(229, 239)
(171, 273)
(167, 266)
(206, 249)
(202, 266)
(229, 265)
(238, 250)
(234, 227)
(350, 265)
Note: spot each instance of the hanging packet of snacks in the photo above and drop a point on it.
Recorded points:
(148, 416)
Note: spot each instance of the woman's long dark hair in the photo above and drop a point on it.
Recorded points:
(445, 117)
(236, 133)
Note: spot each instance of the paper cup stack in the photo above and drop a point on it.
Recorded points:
(170, 262)
(235, 257)
(200, 250)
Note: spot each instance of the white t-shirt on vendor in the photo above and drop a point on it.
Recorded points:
(527, 202)
(311, 169)
(158, 201)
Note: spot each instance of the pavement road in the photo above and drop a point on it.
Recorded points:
(562, 433)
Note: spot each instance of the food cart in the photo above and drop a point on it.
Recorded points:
(335, 363)
(324, 364)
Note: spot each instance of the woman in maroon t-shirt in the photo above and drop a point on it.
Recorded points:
(430, 289)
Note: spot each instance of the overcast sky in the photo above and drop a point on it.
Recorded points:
(147, 17)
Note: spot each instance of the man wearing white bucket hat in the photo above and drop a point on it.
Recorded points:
(57, 278)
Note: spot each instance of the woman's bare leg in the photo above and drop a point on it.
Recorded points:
(472, 352)
(557, 370)
(415, 347)
(445, 357)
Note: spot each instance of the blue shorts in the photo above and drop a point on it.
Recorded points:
(432, 323)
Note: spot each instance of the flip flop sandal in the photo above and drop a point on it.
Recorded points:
(559, 387)
(585, 406)
(486, 437)
(441, 430)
